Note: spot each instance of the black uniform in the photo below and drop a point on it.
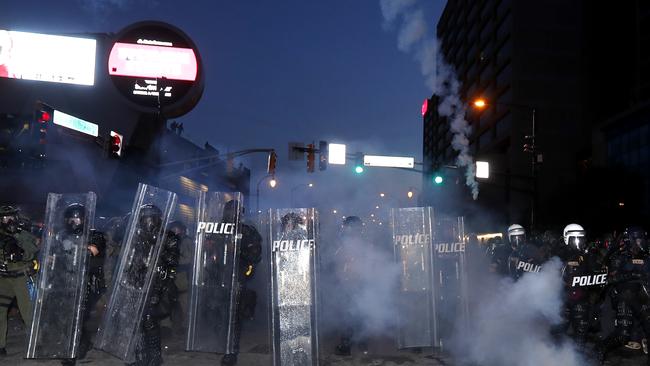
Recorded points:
(524, 258)
(584, 279)
(498, 253)
(249, 256)
(148, 348)
(630, 293)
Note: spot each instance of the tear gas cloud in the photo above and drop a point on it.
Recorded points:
(510, 322)
(413, 38)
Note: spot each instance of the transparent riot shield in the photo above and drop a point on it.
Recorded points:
(61, 283)
(412, 235)
(293, 259)
(141, 248)
(451, 304)
(214, 283)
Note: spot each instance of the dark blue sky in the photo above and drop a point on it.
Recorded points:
(276, 71)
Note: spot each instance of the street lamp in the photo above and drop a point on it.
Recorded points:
(293, 190)
(272, 184)
(529, 146)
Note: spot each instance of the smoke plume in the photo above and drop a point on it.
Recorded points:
(511, 323)
(413, 38)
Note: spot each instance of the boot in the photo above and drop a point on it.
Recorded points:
(229, 359)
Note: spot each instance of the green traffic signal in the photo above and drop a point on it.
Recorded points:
(358, 169)
(437, 179)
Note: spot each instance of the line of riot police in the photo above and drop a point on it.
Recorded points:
(614, 267)
(66, 268)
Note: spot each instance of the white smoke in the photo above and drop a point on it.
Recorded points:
(413, 38)
(361, 285)
(511, 324)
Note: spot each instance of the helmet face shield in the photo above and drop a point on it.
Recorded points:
(578, 243)
(74, 225)
(517, 241)
(150, 224)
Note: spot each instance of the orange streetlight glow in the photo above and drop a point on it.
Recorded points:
(480, 103)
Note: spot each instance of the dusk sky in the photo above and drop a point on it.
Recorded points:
(277, 71)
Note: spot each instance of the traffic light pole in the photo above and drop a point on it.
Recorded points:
(533, 174)
(257, 192)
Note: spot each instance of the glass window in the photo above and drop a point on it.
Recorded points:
(485, 139)
(504, 77)
(505, 27)
(503, 126)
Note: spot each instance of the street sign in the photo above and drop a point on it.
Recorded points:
(74, 123)
(389, 161)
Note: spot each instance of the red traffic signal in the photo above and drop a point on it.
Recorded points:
(273, 159)
(311, 158)
(42, 115)
(115, 144)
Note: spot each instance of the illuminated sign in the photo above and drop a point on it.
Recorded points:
(482, 169)
(43, 57)
(336, 154)
(146, 61)
(156, 67)
(74, 123)
(388, 161)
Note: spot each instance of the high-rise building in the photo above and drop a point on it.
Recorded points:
(525, 60)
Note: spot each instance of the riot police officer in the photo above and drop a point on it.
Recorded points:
(524, 257)
(73, 226)
(498, 252)
(351, 235)
(583, 276)
(149, 222)
(17, 251)
(249, 256)
(629, 289)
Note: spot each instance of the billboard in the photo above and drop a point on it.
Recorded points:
(147, 61)
(44, 57)
(157, 68)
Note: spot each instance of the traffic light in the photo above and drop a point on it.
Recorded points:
(43, 116)
(438, 176)
(529, 144)
(273, 158)
(358, 164)
(115, 145)
(311, 158)
(323, 155)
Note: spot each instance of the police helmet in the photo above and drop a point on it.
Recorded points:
(74, 217)
(150, 218)
(575, 237)
(516, 235)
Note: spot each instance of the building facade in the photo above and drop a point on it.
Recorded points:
(70, 161)
(524, 59)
